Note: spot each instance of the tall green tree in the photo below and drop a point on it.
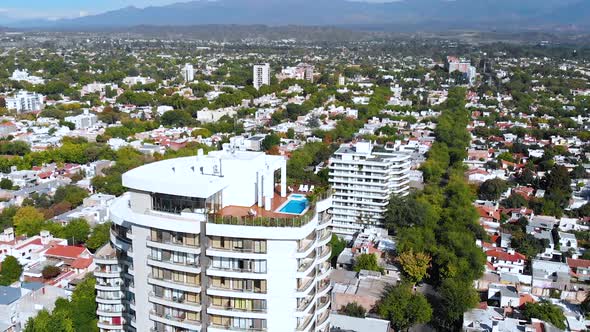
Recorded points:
(456, 297)
(403, 308)
(545, 311)
(492, 189)
(77, 230)
(28, 221)
(367, 262)
(353, 309)
(11, 271)
(99, 236)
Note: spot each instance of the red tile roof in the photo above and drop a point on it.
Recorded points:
(81, 263)
(65, 251)
(488, 212)
(505, 256)
(576, 263)
(526, 298)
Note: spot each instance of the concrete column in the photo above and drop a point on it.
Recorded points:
(269, 188)
(284, 179)
(260, 192)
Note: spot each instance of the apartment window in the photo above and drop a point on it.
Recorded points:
(192, 297)
(240, 245)
(176, 204)
(194, 316)
(191, 240)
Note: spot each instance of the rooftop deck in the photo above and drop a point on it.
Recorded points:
(241, 215)
(244, 211)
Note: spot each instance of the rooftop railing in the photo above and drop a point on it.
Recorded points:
(261, 221)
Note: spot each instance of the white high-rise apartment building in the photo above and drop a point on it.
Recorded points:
(188, 73)
(25, 101)
(261, 75)
(210, 243)
(363, 178)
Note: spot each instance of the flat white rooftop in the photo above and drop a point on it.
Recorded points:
(202, 175)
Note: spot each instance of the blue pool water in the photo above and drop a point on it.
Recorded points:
(296, 205)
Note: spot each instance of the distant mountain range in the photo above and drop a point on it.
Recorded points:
(412, 14)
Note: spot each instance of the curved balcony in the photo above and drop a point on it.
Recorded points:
(236, 273)
(174, 285)
(324, 254)
(222, 328)
(324, 288)
(171, 265)
(323, 304)
(109, 326)
(227, 292)
(120, 243)
(105, 273)
(323, 321)
(304, 306)
(174, 302)
(106, 255)
(235, 312)
(324, 272)
(305, 288)
(178, 321)
(305, 266)
(306, 324)
(325, 239)
(109, 312)
(109, 286)
(306, 250)
(109, 301)
(235, 253)
(173, 246)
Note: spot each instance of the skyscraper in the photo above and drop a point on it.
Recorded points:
(188, 73)
(261, 75)
(363, 177)
(211, 243)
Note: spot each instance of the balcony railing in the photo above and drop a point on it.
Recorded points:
(170, 261)
(235, 328)
(178, 318)
(261, 221)
(304, 324)
(174, 242)
(175, 299)
(196, 285)
(229, 308)
(238, 250)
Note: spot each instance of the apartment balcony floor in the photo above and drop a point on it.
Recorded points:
(244, 211)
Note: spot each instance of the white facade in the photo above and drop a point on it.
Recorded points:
(199, 244)
(188, 73)
(83, 121)
(25, 101)
(363, 181)
(23, 75)
(261, 75)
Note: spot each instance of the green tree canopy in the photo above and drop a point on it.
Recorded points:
(99, 236)
(456, 297)
(71, 194)
(403, 308)
(353, 309)
(367, 262)
(28, 221)
(11, 271)
(545, 311)
(77, 230)
(492, 189)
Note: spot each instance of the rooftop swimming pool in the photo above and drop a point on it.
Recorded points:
(296, 204)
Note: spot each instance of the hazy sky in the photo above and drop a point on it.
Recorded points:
(68, 8)
(24, 9)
